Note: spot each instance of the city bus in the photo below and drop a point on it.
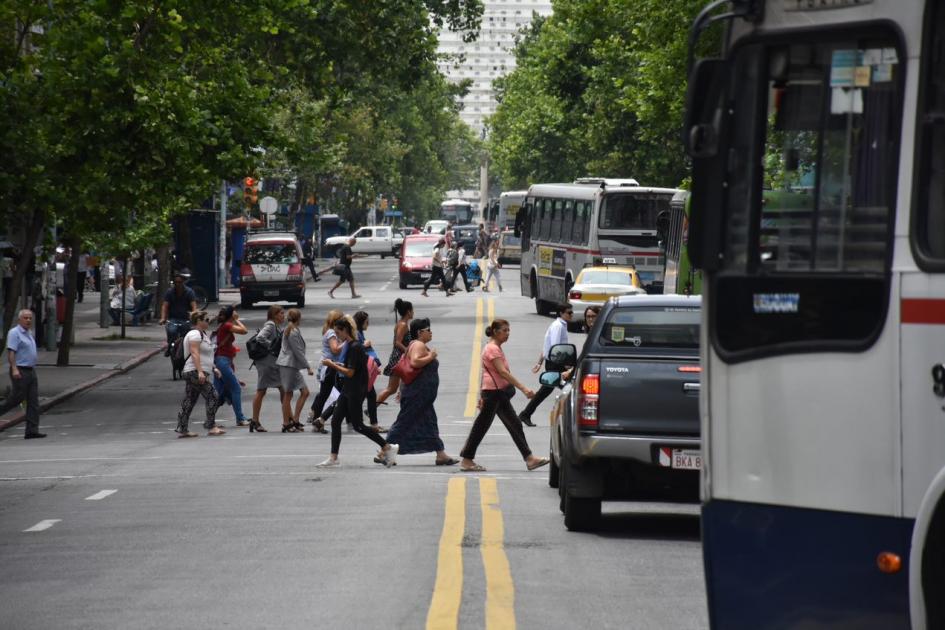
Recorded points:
(818, 220)
(457, 211)
(509, 204)
(679, 276)
(566, 227)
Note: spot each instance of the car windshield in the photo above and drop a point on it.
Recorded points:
(511, 239)
(663, 327)
(606, 277)
(423, 249)
(272, 254)
(467, 234)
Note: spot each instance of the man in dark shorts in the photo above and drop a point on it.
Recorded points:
(343, 268)
(179, 302)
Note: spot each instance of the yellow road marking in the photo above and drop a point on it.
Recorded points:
(491, 310)
(500, 592)
(448, 592)
(472, 395)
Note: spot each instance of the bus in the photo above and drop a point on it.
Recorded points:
(566, 227)
(818, 220)
(509, 204)
(457, 211)
(679, 276)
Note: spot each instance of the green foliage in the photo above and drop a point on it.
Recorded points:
(599, 89)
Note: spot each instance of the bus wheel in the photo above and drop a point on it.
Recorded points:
(542, 307)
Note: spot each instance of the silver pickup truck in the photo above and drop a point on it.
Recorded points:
(626, 425)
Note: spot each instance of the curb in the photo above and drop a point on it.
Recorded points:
(121, 368)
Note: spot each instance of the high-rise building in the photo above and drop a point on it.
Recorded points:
(490, 56)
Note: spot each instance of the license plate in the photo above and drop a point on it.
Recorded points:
(424, 276)
(680, 458)
(270, 293)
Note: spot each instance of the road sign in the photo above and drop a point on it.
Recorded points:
(268, 205)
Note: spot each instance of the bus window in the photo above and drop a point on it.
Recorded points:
(546, 206)
(633, 212)
(928, 226)
(567, 222)
(538, 210)
(557, 217)
(581, 215)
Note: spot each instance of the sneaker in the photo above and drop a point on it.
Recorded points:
(311, 417)
(390, 455)
(329, 463)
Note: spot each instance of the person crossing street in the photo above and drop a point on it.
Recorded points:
(557, 333)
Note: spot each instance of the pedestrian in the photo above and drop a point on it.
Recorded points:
(80, 276)
(267, 372)
(122, 299)
(291, 360)
(21, 354)
(440, 263)
(228, 386)
(308, 258)
(402, 339)
(496, 390)
(590, 316)
(362, 320)
(556, 333)
(331, 349)
(179, 302)
(492, 267)
(198, 348)
(416, 429)
(343, 268)
(482, 242)
(460, 269)
(353, 392)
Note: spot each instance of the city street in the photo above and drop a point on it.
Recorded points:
(112, 522)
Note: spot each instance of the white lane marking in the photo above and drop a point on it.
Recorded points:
(61, 477)
(74, 459)
(384, 287)
(98, 496)
(42, 525)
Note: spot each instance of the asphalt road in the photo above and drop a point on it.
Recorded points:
(133, 528)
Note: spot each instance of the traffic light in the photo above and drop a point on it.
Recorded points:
(250, 191)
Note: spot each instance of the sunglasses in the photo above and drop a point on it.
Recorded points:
(425, 330)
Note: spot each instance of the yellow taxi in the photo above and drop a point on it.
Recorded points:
(596, 285)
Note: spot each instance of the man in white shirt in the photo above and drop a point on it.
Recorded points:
(557, 333)
(440, 262)
(461, 268)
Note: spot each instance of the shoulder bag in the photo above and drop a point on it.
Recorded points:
(508, 391)
(407, 373)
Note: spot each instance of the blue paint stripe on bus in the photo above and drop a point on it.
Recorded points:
(781, 567)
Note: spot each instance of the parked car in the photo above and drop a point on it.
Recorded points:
(272, 269)
(510, 248)
(416, 258)
(376, 239)
(435, 226)
(626, 425)
(595, 285)
(466, 235)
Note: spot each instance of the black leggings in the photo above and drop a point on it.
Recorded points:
(350, 407)
(495, 402)
(324, 390)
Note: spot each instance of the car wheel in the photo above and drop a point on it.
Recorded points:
(562, 486)
(542, 307)
(301, 301)
(581, 514)
(246, 303)
(403, 285)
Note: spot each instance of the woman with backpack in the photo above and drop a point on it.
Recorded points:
(331, 349)
(266, 369)
(228, 386)
(402, 339)
(291, 360)
(353, 392)
(362, 320)
(416, 429)
(198, 349)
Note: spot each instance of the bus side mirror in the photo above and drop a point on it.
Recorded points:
(704, 139)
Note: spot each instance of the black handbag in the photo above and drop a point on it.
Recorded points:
(340, 270)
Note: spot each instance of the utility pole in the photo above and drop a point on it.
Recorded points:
(222, 257)
(483, 180)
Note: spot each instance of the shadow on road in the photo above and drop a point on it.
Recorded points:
(649, 526)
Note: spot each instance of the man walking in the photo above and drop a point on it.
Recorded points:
(460, 269)
(440, 262)
(482, 243)
(557, 333)
(343, 268)
(21, 353)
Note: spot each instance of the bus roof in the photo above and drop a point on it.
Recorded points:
(584, 191)
(456, 202)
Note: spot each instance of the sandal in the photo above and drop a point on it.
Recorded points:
(447, 462)
(541, 461)
(473, 468)
(216, 431)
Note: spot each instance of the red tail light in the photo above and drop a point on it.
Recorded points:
(574, 295)
(295, 272)
(246, 272)
(691, 369)
(588, 401)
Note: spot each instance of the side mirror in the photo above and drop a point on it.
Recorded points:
(563, 354)
(550, 379)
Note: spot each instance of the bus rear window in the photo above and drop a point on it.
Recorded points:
(668, 327)
(632, 212)
(271, 254)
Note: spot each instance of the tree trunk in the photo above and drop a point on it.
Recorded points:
(164, 278)
(71, 277)
(33, 232)
(185, 255)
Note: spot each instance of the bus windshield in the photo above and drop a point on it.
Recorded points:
(632, 212)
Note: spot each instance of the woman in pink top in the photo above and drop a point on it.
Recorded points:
(498, 387)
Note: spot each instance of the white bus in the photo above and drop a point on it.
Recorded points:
(565, 227)
(818, 217)
(457, 211)
(509, 204)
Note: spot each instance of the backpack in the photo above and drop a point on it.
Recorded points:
(255, 349)
(275, 347)
(453, 257)
(178, 357)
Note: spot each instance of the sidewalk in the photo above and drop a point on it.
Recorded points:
(96, 356)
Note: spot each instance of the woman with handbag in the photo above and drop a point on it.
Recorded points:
(353, 392)
(416, 429)
(331, 349)
(291, 360)
(266, 369)
(498, 387)
(362, 320)
(402, 339)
